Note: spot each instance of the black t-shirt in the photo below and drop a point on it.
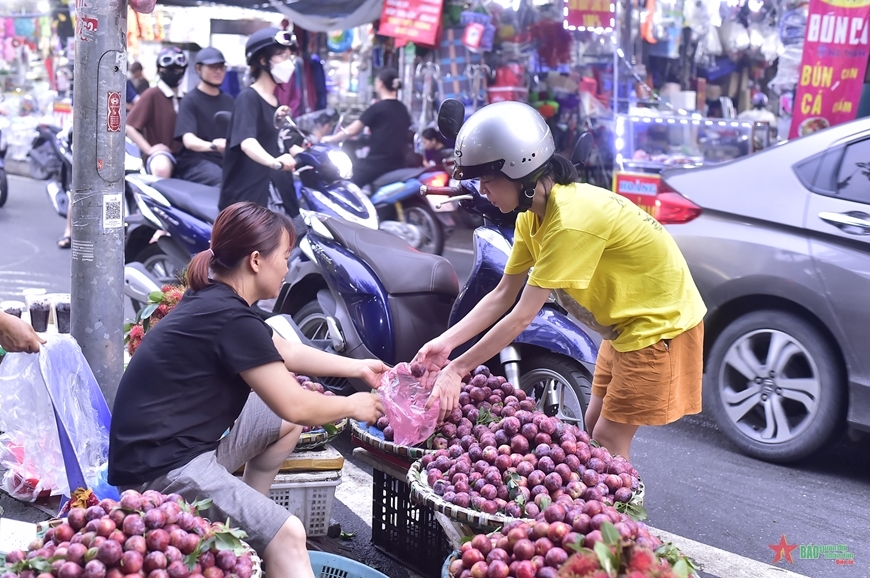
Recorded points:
(243, 178)
(196, 115)
(182, 389)
(389, 122)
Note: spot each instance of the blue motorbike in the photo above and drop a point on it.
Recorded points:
(4, 182)
(406, 214)
(175, 217)
(363, 293)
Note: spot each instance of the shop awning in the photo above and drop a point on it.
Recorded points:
(313, 15)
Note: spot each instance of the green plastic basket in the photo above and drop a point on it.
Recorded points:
(332, 566)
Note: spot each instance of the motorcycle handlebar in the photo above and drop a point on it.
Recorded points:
(448, 191)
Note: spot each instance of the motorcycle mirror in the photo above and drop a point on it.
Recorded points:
(222, 121)
(283, 117)
(451, 115)
(582, 149)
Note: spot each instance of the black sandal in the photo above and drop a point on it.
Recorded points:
(64, 243)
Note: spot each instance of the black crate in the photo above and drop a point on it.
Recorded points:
(404, 530)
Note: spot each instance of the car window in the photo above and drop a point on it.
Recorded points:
(853, 176)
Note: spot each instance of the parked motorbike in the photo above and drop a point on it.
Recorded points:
(363, 294)
(59, 184)
(407, 214)
(177, 215)
(4, 182)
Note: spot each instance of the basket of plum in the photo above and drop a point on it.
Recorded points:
(565, 542)
(313, 438)
(516, 467)
(147, 534)
(483, 399)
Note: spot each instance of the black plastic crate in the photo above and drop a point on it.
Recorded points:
(404, 530)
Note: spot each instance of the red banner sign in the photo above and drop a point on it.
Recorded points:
(832, 69)
(413, 20)
(589, 13)
(640, 188)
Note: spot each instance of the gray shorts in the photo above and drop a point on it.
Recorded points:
(210, 475)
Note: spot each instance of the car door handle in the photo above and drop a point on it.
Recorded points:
(854, 219)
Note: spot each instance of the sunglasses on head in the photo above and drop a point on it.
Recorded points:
(172, 59)
(285, 38)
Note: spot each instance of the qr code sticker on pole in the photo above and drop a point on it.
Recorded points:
(113, 211)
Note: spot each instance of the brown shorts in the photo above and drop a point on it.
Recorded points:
(655, 385)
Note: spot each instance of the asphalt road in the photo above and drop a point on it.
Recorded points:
(697, 485)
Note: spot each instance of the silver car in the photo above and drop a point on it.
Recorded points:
(779, 245)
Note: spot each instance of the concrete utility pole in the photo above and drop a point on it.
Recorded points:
(97, 206)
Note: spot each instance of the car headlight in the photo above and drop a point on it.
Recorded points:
(342, 163)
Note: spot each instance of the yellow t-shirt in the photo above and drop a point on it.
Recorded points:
(622, 268)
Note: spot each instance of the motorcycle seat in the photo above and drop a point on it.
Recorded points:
(398, 176)
(201, 201)
(401, 268)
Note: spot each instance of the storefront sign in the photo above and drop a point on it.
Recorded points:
(589, 13)
(640, 188)
(831, 75)
(413, 20)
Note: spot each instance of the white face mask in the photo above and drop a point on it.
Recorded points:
(283, 71)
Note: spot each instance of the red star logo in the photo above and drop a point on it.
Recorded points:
(782, 550)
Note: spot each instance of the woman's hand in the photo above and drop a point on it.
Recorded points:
(371, 371)
(220, 144)
(434, 355)
(446, 390)
(367, 407)
(288, 162)
(16, 336)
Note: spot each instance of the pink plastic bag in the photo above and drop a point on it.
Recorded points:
(405, 398)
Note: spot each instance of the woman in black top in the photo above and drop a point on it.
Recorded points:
(191, 379)
(389, 122)
(254, 168)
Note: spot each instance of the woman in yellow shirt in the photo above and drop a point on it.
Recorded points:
(610, 264)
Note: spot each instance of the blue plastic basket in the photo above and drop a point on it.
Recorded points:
(332, 566)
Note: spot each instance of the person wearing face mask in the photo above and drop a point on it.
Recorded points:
(201, 159)
(389, 122)
(151, 122)
(255, 169)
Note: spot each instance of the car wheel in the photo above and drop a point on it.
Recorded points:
(775, 386)
(567, 381)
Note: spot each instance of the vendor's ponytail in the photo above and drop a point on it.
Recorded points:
(197, 271)
(561, 171)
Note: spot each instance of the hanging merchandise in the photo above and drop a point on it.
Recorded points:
(25, 27)
(553, 42)
(479, 32)
(133, 33)
(340, 41)
(665, 26)
(454, 60)
(509, 84)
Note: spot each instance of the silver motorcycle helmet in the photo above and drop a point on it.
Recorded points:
(510, 138)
